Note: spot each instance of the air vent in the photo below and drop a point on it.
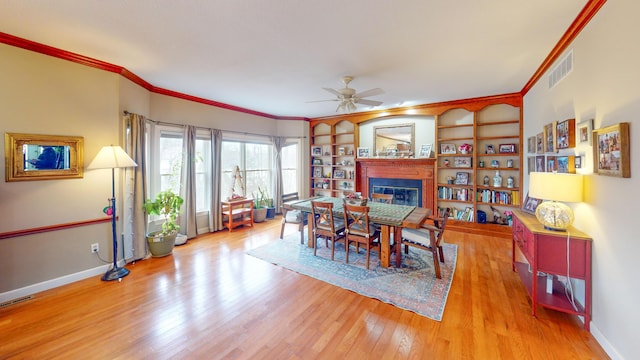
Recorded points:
(15, 301)
(561, 70)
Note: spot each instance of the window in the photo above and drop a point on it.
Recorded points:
(254, 160)
(170, 157)
(290, 166)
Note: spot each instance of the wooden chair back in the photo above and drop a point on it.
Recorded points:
(382, 198)
(359, 230)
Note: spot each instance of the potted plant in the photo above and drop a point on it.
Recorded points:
(260, 202)
(167, 205)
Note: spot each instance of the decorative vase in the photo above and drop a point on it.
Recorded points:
(160, 245)
(510, 182)
(497, 180)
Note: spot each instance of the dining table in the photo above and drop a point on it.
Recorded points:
(390, 217)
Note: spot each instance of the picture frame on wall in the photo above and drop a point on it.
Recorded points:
(566, 164)
(530, 204)
(462, 162)
(540, 165)
(539, 143)
(583, 132)
(531, 164)
(565, 134)
(447, 149)
(549, 134)
(578, 162)
(551, 164)
(611, 151)
(531, 145)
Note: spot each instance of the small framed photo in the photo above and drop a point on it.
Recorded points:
(583, 132)
(551, 164)
(539, 163)
(447, 149)
(611, 151)
(507, 148)
(578, 161)
(341, 151)
(530, 204)
(540, 143)
(363, 152)
(317, 172)
(490, 149)
(495, 163)
(566, 164)
(317, 161)
(462, 178)
(462, 162)
(425, 150)
(338, 174)
(531, 145)
(565, 134)
(316, 150)
(550, 137)
(531, 164)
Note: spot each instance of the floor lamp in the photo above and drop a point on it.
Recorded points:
(112, 157)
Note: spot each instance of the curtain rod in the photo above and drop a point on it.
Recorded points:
(206, 128)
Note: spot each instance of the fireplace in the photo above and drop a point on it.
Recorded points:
(395, 173)
(404, 191)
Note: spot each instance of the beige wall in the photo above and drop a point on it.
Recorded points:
(605, 86)
(44, 95)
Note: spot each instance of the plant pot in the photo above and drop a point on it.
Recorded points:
(259, 215)
(161, 245)
(271, 212)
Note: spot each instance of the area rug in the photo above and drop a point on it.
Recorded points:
(413, 287)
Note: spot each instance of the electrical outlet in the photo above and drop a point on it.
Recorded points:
(95, 248)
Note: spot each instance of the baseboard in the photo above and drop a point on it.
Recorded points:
(53, 283)
(604, 342)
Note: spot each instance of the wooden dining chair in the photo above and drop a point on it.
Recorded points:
(360, 231)
(292, 216)
(383, 198)
(326, 226)
(427, 237)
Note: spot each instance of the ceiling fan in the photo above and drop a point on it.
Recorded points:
(348, 97)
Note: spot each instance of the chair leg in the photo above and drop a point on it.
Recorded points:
(346, 245)
(333, 247)
(436, 263)
(440, 251)
(315, 244)
(301, 229)
(282, 229)
(368, 256)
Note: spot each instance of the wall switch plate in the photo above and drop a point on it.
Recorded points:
(95, 248)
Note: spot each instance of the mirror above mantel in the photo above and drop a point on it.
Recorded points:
(410, 131)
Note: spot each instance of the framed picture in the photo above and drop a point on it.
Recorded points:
(566, 164)
(539, 163)
(317, 161)
(462, 162)
(447, 149)
(489, 149)
(583, 132)
(363, 152)
(495, 163)
(341, 151)
(551, 164)
(530, 204)
(507, 148)
(317, 172)
(578, 162)
(540, 143)
(338, 174)
(549, 134)
(425, 150)
(611, 151)
(462, 178)
(531, 164)
(531, 145)
(316, 150)
(565, 134)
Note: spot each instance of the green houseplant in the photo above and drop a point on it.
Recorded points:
(167, 204)
(260, 203)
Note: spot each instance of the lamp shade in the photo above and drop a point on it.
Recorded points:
(111, 157)
(555, 186)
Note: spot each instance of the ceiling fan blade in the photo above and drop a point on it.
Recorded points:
(372, 92)
(334, 92)
(368, 102)
(313, 101)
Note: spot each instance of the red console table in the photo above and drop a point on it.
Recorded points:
(545, 252)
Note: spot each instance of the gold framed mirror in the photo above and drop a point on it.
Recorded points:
(43, 157)
(394, 140)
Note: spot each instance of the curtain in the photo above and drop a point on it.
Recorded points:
(188, 183)
(215, 219)
(278, 143)
(134, 220)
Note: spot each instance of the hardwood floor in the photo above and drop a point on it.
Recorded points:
(211, 301)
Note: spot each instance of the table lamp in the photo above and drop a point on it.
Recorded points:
(553, 188)
(112, 157)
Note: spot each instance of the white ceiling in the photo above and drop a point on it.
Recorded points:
(274, 56)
